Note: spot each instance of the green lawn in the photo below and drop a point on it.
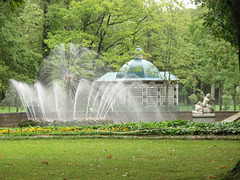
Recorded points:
(69, 158)
(10, 109)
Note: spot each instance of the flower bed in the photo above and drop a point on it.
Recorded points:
(178, 127)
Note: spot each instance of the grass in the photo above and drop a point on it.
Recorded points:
(69, 158)
(10, 109)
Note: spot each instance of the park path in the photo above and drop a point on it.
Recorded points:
(235, 117)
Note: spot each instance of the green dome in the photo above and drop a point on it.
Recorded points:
(138, 68)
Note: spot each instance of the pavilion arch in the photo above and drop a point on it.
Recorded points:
(163, 94)
(135, 94)
(151, 94)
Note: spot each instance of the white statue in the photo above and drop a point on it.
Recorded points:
(205, 106)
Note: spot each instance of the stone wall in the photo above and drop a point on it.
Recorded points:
(12, 119)
(160, 116)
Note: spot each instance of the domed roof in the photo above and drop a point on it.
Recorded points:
(138, 68)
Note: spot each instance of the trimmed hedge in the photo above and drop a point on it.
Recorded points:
(27, 123)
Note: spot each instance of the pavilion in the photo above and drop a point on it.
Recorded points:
(142, 85)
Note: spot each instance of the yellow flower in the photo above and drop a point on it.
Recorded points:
(68, 129)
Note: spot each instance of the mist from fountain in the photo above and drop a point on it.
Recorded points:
(67, 89)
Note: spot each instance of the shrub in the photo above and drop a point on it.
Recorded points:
(27, 123)
(193, 98)
(83, 122)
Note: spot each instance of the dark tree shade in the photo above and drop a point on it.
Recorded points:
(14, 3)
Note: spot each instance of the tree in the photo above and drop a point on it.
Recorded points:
(166, 39)
(223, 18)
(19, 55)
(215, 58)
(108, 27)
(30, 21)
(14, 3)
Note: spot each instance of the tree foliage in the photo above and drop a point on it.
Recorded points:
(19, 54)
(14, 3)
(174, 38)
(223, 18)
(102, 25)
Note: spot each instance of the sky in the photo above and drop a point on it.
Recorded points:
(188, 4)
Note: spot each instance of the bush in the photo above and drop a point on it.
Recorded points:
(193, 98)
(27, 123)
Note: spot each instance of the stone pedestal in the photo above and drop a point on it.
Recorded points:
(203, 117)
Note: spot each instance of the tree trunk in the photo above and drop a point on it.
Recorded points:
(166, 100)
(148, 41)
(16, 103)
(234, 97)
(220, 95)
(212, 90)
(45, 28)
(167, 62)
(235, 172)
(2, 95)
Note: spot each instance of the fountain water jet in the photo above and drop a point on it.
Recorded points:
(67, 89)
(64, 89)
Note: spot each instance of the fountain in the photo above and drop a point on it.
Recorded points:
(74, 84)
(66, 90)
